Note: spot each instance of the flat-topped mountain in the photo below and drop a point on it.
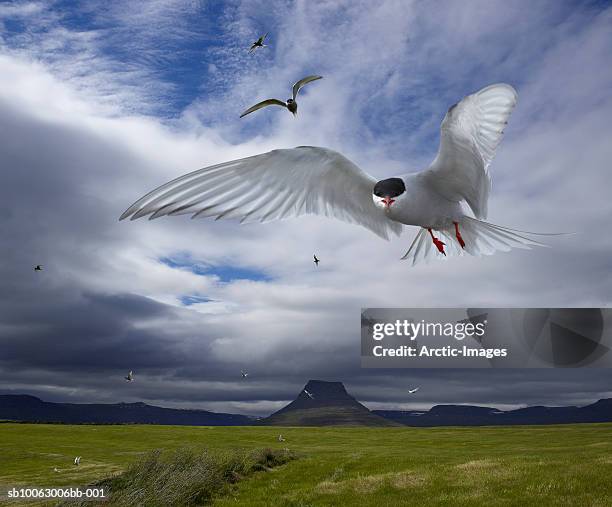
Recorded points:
(325, 404)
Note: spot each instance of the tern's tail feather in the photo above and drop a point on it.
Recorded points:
(481, 238)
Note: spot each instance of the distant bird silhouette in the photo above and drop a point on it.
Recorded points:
(280, 438)
(77, 460)
(130, 376)
(38, 267)
(259, 43)
(412, 391)
(291, 104)
(309, 394)
(244, 374)
(316, 260)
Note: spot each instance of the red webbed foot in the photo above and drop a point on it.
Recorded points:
(439, 244)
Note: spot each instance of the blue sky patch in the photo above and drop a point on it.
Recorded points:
(193, 299)
(226, 273)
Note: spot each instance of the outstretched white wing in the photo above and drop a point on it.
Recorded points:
(305, 80)
(469, 135)
(270, 186)
(264, 103)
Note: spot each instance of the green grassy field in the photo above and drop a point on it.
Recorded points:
(527, 465)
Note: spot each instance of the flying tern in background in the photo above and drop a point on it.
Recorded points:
(290, 104)
(412, 391)
(311, 180)
(259, 43)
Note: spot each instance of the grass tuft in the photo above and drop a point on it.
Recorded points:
(185, 476)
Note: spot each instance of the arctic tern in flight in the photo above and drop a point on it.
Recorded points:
(291, 103)
(259, 43)
(311, 180)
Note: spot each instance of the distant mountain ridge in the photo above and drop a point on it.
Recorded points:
(330, 405)
(25, 408)
(469, 415)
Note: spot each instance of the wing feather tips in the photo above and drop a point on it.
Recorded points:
(131, 212)
(498, 90)
(136, 210)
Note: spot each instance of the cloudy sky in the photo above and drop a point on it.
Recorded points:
(100, 103)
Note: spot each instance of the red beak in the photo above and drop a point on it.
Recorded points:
(388, 201)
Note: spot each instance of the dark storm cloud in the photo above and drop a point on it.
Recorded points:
(51, 319)
(86, 332)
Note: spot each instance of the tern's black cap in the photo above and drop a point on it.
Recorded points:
(391, 187)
